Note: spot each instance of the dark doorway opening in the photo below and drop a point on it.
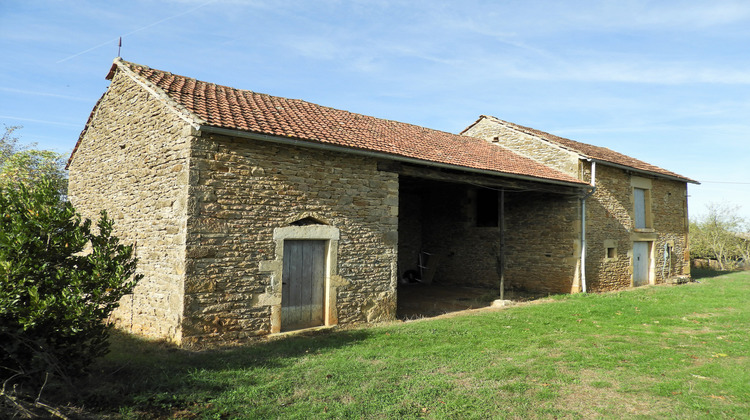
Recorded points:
(448, 257)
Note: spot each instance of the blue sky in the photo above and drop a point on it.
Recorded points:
(667, 82)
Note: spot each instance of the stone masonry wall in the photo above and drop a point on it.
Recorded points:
(542, 242)
(241, 189)
(133, 162)
(526, 145)
(466, 254)
(609, 223)
(669, 209)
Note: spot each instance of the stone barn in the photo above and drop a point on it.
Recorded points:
(253, 214)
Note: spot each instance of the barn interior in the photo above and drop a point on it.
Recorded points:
(453, 229)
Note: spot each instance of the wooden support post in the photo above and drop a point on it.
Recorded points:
(502, 244)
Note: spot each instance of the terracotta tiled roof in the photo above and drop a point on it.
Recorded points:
(593, 152)
(226, 107)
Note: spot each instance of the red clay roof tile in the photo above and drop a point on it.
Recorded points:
(226, 107)
(593, 152)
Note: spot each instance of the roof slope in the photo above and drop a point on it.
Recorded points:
(226, 107)
(593, 152)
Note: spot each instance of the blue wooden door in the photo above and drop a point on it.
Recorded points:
(641, 263)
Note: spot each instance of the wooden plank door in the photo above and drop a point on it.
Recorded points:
(302, 284)
(641, 263)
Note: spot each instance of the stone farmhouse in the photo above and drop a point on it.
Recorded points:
(254, 214)
(635, 221)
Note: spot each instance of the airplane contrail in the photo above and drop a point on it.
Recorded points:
(137, 30)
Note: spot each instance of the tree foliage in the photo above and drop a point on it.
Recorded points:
(721, 234)
(60, 279)
(28, 165)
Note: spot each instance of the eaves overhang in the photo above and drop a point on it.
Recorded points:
(380, 155)
(641, 171)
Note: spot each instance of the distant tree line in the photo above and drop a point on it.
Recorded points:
(721, 235)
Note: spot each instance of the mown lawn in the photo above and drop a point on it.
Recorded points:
(655, 352)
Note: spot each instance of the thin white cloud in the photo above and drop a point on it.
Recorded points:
(38, 121)
(604, 67)
(485, 47)
(684, 15)
(319, 48)
(48, 94)
(639, 15)
(649, 128)
(639, 70)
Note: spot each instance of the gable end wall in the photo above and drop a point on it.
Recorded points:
(133, 162)
(526, 145)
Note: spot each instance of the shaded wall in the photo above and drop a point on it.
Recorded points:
(543, 238)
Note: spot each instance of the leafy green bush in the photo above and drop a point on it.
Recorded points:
(59, 282)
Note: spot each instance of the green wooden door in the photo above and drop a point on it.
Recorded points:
(302, 284)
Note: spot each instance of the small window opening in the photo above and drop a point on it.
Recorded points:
(611, 252)
(487, 208)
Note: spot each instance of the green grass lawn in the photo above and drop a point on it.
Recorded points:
(655, 352)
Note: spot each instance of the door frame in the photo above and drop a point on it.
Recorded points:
(326, 233)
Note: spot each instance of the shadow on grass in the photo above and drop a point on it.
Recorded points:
(160, 379)
(706, 273)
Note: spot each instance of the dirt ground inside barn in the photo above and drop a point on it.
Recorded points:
(424, 301)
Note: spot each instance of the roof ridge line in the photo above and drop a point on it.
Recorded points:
(299, 100)
(527, 131)
(552, 139)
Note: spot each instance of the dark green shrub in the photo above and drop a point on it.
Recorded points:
(59, 282)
